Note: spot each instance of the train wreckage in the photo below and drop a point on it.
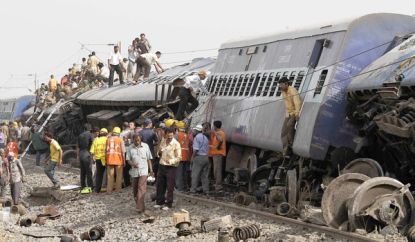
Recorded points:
(354, 148)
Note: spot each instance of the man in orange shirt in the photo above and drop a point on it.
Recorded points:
(115, 160)
(183, 170)
(217, 150)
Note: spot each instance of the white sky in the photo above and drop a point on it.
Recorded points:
(42, 36)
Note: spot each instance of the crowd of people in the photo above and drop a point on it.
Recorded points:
(95, 73)
(170, 155)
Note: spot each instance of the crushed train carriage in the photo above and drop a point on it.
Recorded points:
(320, 63)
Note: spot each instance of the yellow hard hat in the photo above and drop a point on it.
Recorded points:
(169, 122)
(180, 124)
(104, 131)
(116, 130)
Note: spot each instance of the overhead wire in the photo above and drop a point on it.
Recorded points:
(309, 90)
(317, 70)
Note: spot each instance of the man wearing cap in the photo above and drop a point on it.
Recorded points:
(85, 140)
(55, 158)
(98, 151)
(16, 174)
(115, 160)
(200, 161)
(292, 103)
(187, 93)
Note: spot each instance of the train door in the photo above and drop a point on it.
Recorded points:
(312, 63)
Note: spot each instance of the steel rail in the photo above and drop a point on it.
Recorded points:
(279, 219)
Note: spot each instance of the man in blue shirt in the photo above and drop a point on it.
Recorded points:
(200, 161)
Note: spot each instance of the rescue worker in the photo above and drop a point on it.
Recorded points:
(292, 103)
(217, 150)
(115, 160)
(144, 63)
(98, 151)
(53, 84)
(16, 175)
(85, 140)
(200, 161)
(139, 157)
(187, 93)
(55, 159)
(170, 157)
(4, 173)
(183, 170)
(93, 63)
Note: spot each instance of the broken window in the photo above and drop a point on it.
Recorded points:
(320, 83)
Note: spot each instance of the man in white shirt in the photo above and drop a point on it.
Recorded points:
(114, 64)
(132, 56)
(103, 73)
(144, 63)
(187, 93)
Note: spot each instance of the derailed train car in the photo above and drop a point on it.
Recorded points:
(320, 63)
(109, 107)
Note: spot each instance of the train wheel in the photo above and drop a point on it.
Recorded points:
(366, 166)
(379, 202)
(69, 157)
(336, 196)
(259, 179)
(339, 157)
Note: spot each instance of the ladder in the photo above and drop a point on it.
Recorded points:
(56, 108)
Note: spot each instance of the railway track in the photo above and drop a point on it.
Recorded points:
(337, 234)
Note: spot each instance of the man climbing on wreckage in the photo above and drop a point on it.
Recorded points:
(187, 93)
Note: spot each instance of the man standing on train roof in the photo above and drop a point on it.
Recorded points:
(292, 103)
(187, 93)
(114, 64)
(144, 63)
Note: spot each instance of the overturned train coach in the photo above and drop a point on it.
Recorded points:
(110, 107)
(320, 63)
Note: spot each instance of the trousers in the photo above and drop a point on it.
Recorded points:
(99, 175)
(139, 191)
(115, 68)
(183, 175)
(200, 173)
(217, 171)
(288, 133)
(50, 171)
(85, 159)
(111, 171)
(185, 98)
(15, 189)
(165, 181)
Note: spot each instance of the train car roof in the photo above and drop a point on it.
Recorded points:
(145, 91)
(400, 60)
(330, 27)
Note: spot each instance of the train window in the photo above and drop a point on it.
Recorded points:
(249, 85)
(220, 79)
(244, 84)
(261, 85)
(292, 77)
(320, 83)
(264, 49)
(255, 85)
(299, 79)
(275, 84)
(232, 85)
(228, 85)
(285, 74)
(222, 85)
(214, 83)
(268, 84)
(241, 51)
(238, 85)
(210, 83)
